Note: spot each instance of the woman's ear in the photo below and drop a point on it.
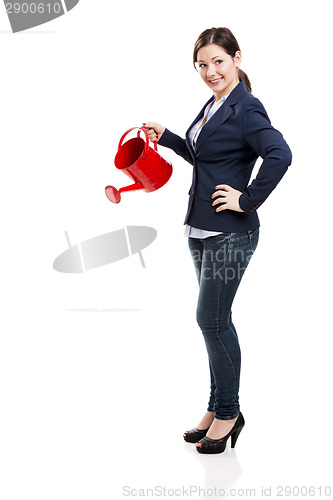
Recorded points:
(238, 58)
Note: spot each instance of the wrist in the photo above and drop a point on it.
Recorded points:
(239, 208)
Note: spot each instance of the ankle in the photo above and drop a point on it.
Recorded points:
(206, 420)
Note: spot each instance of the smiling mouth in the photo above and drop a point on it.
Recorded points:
(216, 81)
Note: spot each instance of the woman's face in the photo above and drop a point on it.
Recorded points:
(217, 69)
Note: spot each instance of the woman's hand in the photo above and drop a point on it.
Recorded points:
(228, 196)
(154, 130)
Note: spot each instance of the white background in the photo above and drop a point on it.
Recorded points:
(102, 372)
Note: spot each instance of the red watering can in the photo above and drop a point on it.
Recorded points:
(141, 163)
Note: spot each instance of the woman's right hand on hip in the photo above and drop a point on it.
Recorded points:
(154, 130)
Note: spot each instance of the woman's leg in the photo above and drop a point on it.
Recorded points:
(196, 248)
(224, 260)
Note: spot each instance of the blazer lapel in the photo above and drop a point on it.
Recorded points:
(220, 116)
(200, 115)
(215, 121)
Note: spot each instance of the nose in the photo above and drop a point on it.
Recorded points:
(211, 70)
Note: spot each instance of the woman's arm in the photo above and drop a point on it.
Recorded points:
(269, 144)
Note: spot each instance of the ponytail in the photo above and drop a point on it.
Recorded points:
(242, 75)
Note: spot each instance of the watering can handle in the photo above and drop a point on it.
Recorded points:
(147, 140)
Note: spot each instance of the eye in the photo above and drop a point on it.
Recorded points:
(202, 65)
(219, 61)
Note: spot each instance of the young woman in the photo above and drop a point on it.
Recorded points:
(223, 143)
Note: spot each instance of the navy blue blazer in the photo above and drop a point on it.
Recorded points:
(226, 150)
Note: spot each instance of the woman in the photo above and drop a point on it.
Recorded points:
(223, 143)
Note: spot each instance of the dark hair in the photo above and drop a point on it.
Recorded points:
(225, 39)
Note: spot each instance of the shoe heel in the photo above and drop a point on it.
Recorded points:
(234, 437)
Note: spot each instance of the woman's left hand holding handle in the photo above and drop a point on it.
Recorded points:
(227, 198)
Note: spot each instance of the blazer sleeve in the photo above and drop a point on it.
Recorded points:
(268, 143)
(177, 144)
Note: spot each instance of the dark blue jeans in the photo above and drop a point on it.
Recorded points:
(220, 262)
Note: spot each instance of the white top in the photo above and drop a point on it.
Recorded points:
(193, 232)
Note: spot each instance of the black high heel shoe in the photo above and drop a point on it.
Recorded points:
(209, 445)
(194, 435)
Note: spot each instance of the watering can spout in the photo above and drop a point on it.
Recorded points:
(113, 193)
